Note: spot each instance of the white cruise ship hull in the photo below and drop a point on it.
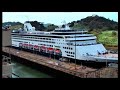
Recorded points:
(66, 43)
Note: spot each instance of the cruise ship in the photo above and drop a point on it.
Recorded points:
(64, 42)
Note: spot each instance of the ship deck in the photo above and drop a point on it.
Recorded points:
(109, 55)
(112, 58)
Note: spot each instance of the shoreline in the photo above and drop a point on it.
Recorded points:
(112, 47)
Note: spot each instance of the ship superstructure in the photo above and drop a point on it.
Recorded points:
(64, 42)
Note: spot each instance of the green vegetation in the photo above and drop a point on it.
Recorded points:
(39, 26)
(108, 38)
(16, 27)
(95, 22)
(78, 26)
(11, 23)
(51, 27)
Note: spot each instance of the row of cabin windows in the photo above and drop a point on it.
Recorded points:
(77, 36)
(38, 44)
(59, 40)
(46, 45)
(36, 40)
(70, 52)
(41, 38)
(13, 35)
(67, 48)
(17, 41)
(59, 43)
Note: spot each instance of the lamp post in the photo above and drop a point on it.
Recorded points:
(54, 52)
(10, 46)
(75, 49)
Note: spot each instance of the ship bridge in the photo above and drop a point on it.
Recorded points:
(66, 30)
(83, 39)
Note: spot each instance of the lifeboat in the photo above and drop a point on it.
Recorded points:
(50, 50)
(58, 52)
(36, 47)
(43, 48)
(25, 45)
(30, 46)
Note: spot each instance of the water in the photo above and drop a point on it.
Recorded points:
(24, 71)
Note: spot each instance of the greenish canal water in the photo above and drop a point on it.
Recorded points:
(24, 71)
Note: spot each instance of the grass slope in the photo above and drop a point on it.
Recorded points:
(107, 38)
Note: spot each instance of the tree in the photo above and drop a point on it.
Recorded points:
(105, 28)
(51, 27)
(114, 33)
(95, 22)
(38, 25)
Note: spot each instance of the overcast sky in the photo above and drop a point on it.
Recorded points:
(53, 17)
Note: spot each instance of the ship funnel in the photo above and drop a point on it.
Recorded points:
(66, 27)
(28, 27)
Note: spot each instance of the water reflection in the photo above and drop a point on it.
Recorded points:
(26, 72)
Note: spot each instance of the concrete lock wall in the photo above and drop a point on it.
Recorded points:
(6, 38)
(7, 70)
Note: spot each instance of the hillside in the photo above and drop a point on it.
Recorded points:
(95, 22)
(16, 27)
(11, 23)
(40, 26)
(90, 23)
